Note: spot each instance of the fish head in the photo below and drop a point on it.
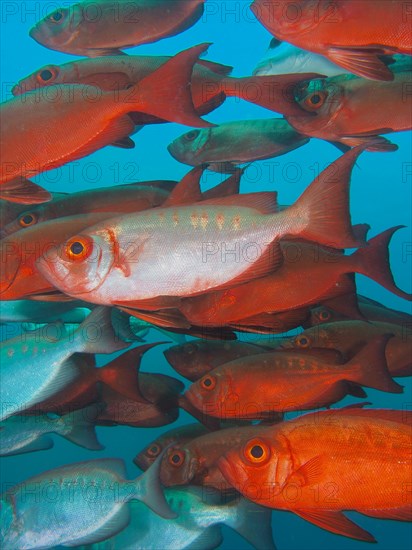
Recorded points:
(213, 394)
(46, 76)
(190, 147)
(253, 467)
(188, 359)
(179, 466)
(59, 28)
(320, 99)
(81, 264)
(145, 458)
(26, 219)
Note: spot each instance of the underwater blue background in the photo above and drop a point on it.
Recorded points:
(380, 196)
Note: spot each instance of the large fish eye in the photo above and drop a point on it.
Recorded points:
(176, 458)
(78, 248)
(190, 136)
(26, 220)
(314, 101)
(208, 382)
(47, 74)
(324, 315)
(189, 348)
(256, 451)
(57, 16)
(302, 341)
(154, 450)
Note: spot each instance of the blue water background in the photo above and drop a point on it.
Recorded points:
(380, 196)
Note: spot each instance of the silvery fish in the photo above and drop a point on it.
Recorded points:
(25, 434)
(225, 146)
(197, 525)
(284, 58)
(34, 367)
(79, 503)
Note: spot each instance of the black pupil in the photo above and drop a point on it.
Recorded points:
(176, 459)
(46, 74)
(191, 135)
(28, 219)
(57, 16)
(303, 341)
(153, 450)
(324, 315)
(256, 451)
(316, 99)
(207, 382)
(77, 248)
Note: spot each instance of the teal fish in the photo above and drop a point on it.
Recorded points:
(25, 434)
(36, 366)
(34, 311)
(225, 146)
(79, 503)
(197, 525)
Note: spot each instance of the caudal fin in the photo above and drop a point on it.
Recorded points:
(79, 427)
(369, 367)
(325, 205)
(273, 92)
(373, 261)
(166, 93)
(96, 334)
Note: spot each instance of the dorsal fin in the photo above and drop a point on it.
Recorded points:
(227, 188)
(187, 191)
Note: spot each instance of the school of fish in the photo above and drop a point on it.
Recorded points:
(92, 272)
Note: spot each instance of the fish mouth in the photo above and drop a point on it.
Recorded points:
(140, 463)
(17, 90)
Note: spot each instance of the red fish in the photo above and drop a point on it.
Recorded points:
(330, 461)
(25, 150)
(282, 291)
(257, 386)
(351, 34)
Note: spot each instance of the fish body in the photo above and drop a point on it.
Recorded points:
(340, 108)
(197, 525)
(120, 198)
(351, 34)
(34, 368)
(256, 386)
(183, 251)
(349, 336)
(91, 504)
(29, 311)
(277, 292)
(176, 436)
(23, 434)
(232, 143)
(332, 461)
(100, 28)
(287, 58)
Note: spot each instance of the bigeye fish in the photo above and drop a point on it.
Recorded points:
(25, 434)
(200, 514)
(89, 504)
(231, 143)
(352, 110)
(35, 367)
(333, 461)
(354, 35)
(164, 93)
(104, 27)
(176, 251)
(284, 58)
(120, 198)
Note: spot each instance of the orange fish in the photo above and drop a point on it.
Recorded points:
(351, 34)
(324, 463)
(66, 137)
(257, 386)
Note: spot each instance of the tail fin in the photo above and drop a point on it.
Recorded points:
(166, 93)
(96, 334)
(325, 204)
(247, 515)
(149, 490)
(369, 367)
(373, 261)
(273, 92)
(79, 427)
